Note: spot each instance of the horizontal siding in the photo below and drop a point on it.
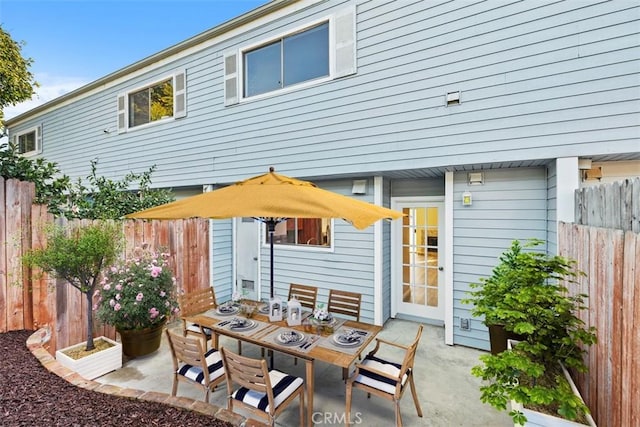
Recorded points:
(483, 232)
(349, 266)
(538, 80)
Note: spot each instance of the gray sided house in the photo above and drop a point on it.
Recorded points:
(477, 119)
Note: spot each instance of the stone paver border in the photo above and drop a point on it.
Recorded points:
(36, 342)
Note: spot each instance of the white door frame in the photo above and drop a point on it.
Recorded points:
(447, 248)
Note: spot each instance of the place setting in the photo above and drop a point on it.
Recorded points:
(238, 324)
(346, 339)
(227, 309)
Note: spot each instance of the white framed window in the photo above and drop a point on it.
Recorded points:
(302, 232)
(157, 101)
(319, 51)
(287, 61)
(29, 142)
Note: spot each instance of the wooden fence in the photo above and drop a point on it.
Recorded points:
(30, 302)
(615, 205)
(610, 257)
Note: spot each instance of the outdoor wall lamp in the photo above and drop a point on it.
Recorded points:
(466, 199)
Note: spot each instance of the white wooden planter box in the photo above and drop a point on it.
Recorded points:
(94, 365)
(538, 419)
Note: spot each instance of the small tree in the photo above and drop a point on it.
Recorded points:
(79, 256)
(16, 81)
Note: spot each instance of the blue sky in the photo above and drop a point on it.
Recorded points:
(74, 42)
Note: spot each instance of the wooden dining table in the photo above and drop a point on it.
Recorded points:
(319, 344)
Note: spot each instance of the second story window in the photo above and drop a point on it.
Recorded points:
(290, 60)
(29, 142)
(157, 101)
(151, 103)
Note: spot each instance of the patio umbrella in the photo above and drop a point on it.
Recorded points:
(271, 198)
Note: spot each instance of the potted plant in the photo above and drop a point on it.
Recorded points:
(488, 296)
(531, 374)
(138, 297)
(79, 256)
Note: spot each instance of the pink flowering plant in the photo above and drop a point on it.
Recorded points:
(139, 293)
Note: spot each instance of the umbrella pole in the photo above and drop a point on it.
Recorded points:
(271, 226)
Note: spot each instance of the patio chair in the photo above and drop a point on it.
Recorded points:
(347, 304)
(306, 294)
(197, 302)
(385, 378)
(193, 365)
(263, 392)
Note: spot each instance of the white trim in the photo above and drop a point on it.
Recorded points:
(234, 252)
(396, 240)
(377, 255)
(567, 181)
(37, 136)
(378, 282)
(448, 261)
(166, 77)
(240, 72)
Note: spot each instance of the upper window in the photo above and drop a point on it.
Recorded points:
(288, 61)
(29, 142)
(303, 232)
(151, 103)
(157, 101)
(318, 51)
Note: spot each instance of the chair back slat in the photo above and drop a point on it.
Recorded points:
(345, 303)
(197, 302)
(247, 372)
(306, 294)
(186, 349)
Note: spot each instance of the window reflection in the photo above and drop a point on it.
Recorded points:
(303, 232)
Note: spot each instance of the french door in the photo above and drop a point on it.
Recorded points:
(418, 258)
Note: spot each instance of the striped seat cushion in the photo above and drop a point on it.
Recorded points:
(283, 386)
(378, 381)
(196, 328)
(214, 363)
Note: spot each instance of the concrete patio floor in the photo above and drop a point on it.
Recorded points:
(448, 393)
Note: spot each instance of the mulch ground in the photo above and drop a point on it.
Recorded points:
(30, 395)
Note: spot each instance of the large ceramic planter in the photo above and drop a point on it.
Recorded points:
(96, 364)
(140, 342)
(539, 419)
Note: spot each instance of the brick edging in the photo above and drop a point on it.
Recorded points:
(35, 344)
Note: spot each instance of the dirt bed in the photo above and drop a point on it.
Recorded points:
(32, 396)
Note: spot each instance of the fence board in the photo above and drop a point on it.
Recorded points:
(27, 194)
(15, 304)
(4, 308)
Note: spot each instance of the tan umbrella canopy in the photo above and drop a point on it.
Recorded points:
(271, 198)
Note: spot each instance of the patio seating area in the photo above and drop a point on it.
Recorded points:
(447, 392)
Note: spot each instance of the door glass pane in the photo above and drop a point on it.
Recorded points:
(420, 256)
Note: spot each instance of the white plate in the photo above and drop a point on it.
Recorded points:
(227, 310)
(343, 341)
(285, 339)
(248, 324)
